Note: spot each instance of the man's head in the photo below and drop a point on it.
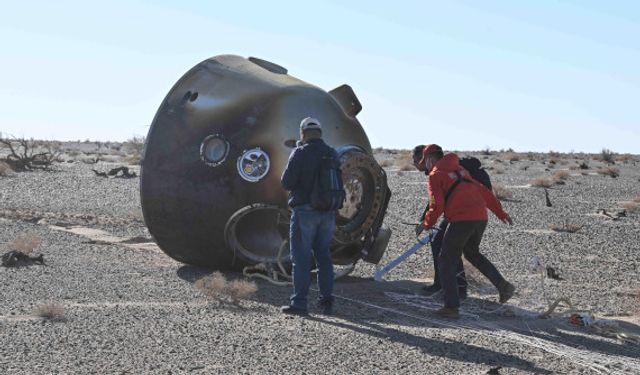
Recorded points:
(417, 156)
(430, 156)
(310, 128)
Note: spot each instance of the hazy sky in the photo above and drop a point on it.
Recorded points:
(531, 75)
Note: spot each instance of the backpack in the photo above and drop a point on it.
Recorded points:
(474, 167)
(328, 192)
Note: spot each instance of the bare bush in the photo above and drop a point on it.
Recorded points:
(560, 176)
(606, 156)
(632, 206)
(565, 227)
(134, 148)
(541, 182)
(25, 243)
(511, 157)
(27, 154)
(502, 192)
(386, 163)
(609, 171)
(5, 169)
(625, 158)
(217, 287)
(50, 311)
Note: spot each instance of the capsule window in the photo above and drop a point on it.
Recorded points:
(214, 150)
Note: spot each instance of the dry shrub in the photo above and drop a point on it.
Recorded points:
(512, 157)
(565, 227)
(541, 182)
(50, 311)
(606, 156)
(217, 287)
(632, 206)
(502, 192)
(404, 161)
(609, 171)
(5, 169)
(625, 158)
(554, 154)
(386, 163)
(560, 175)
(498, 170)
(133, 159)
(636, 199)
(24, 243)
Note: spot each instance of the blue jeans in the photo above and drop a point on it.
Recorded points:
(311, 231)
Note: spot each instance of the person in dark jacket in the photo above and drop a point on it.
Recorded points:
(311, 231)
(436, 243)
(464, 202)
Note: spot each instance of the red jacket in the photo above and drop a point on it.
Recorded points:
(468, 202)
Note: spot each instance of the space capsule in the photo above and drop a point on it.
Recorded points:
(210, 177)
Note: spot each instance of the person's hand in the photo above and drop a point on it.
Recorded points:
(419, 229)
(507, 219)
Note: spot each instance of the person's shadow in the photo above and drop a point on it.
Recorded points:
(364, 306)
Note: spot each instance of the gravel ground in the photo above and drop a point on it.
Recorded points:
(135, 310)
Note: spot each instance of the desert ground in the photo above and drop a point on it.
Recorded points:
(108, 301)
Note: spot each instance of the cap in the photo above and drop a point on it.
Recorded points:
(310, 123)
(429, 149)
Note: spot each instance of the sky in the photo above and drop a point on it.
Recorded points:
(529, 75)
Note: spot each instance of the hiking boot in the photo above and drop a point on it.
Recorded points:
(292, 310)
(429, 290)
(326, 307)
(447, 312)
(506, 290)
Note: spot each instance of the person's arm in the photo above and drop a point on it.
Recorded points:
(493, 203)
(291, 174)
(436, 201)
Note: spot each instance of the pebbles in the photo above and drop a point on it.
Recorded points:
(132, 309)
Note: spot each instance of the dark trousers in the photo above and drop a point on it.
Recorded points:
(463, 237)
(436, 247)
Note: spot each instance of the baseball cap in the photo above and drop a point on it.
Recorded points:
(309, 123)
(429, 149)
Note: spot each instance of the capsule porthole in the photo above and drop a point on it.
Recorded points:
(214, 150)
(254, 164)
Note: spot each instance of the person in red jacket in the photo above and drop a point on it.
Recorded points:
(464, 202)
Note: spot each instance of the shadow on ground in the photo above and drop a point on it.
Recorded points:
(365, 306)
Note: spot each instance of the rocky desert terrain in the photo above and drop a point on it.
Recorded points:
(108, 301)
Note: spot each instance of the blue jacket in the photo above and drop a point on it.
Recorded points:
(299, 176)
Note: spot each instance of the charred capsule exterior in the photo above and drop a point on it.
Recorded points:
(210, 178)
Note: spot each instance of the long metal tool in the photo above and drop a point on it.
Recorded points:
(412, 250)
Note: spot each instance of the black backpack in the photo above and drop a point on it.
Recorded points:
(476, 171)
(474, 167)
(328, 191)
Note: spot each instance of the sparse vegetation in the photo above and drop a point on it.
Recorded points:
(631, 206)
(27, 154)
(217, 287)
(512, 157)
(541, 182)
(560, 176)
(606, 156)
(25, 243)
(565, 227)
(502, 192)
(609, 171)
(50, 311)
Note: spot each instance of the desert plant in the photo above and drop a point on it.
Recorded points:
(607, 156)
(554, 154)
(50, 311)
(5, 169)
(609, 171)
(625, 158)
(565, 227)
(511, 157)
(25, 243)
(386, 163)
(23, 156)
(560, 175)
(631, 206)
(217, 287)
(541, 182)
(502, 192)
